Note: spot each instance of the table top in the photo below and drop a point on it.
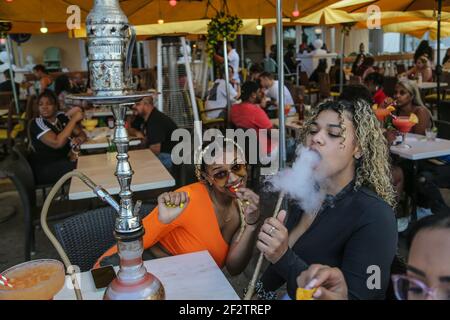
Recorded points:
(149, 173)
(421, 148)
(431, 85)
(192, 276)
(3, 112)
(98, 139)
(291, 122)
(104, 112)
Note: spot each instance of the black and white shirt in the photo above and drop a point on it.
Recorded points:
(38, 128)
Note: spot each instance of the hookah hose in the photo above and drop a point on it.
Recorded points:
(251, 286)
(100, 192)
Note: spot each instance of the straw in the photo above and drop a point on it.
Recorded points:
(4, 281)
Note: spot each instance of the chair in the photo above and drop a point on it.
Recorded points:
(443, 123)
(86, 236)
(431, 99)
(52, 59)
(218, 123)
(309, 90)
(325, 87)
(17, 168)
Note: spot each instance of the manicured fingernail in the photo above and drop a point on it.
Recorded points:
(311, 284)
(317, 294)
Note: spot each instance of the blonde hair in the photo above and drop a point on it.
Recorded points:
(373, 168)
(413, 90)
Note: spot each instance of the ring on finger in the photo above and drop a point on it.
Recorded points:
(271, 230)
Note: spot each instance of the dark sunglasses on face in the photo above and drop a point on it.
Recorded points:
(221, 177)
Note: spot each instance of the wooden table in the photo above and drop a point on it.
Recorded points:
(98, 139)
(193, 276)
(292, 123)
(149, 173)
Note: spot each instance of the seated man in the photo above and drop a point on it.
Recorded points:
(216, 101)
(155, 128)
(271, 90)
(248, 114)
(6, 86)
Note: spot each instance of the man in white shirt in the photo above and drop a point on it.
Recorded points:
(217, 97)
(270, 87)
(233, 61)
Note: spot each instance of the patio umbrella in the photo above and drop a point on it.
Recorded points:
(187, 27)
(390, 17)
(27, 15)
(419, 28)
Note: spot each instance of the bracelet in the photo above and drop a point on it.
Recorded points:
(252, 224)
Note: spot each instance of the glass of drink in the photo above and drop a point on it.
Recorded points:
(404, 125)
(431, 134)
(34, 280)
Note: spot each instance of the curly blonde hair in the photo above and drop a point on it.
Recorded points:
(373, 168)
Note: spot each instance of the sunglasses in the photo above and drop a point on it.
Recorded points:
(221, 177)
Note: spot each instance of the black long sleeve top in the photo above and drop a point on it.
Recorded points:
(353, 230)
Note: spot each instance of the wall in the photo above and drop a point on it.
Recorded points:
(70, 49)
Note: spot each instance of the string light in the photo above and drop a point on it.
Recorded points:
(44, 28)
(296, 13)
(173, 3)
(160, 21)
(259, 27)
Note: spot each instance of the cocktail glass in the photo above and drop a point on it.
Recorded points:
(34, 280)
(381, 114)
(403, 125)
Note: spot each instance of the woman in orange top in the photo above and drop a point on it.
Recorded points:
(217, 214)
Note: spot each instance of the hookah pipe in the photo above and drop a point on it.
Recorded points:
(251, 286)
(99, 192)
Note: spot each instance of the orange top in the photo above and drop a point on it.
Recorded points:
(196, 229)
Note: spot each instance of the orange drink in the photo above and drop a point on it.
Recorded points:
(34, 280)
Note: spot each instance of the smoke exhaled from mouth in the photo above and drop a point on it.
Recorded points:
(302, 182)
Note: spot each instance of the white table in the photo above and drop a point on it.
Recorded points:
(98, 139)
(149, 173)
(104, 112)
(421, 148)
(193, 276)
(430, 85)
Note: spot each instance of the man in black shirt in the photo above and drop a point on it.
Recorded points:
(155, 128)
(6, 86)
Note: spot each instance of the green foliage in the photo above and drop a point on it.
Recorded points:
(222, 26)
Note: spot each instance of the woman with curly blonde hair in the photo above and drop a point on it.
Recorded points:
(355, 228)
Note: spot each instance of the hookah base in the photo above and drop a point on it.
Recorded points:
(148, 288)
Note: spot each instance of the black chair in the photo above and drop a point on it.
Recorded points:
(17, 168)
(86, 236)
(443, 124)
(21, 175)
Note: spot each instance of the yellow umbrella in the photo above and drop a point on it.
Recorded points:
(400, 5)
(331, 14)
(419, 28)
(390, 17)
(188, 27)
(27, 15)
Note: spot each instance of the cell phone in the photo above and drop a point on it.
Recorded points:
(103, 276)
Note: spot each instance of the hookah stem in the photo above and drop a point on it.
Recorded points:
(251, 286)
